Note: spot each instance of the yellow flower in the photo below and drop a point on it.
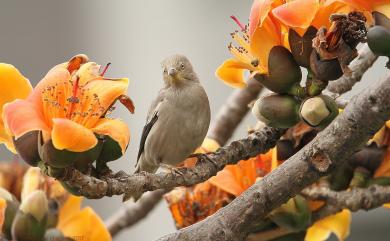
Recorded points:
(68, 106)
(13, 86)
(254, 43)
(83, 223)
(338, 224)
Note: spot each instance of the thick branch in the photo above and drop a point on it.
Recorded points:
(131, 213)
(354, 200)
(364, 116)
(358, 66)
(208, 166)
(231, 114)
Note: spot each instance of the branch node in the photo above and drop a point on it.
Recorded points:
(321, 162)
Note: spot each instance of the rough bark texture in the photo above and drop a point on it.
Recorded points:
(232, 113)
(365, 115)
(207, 166)
(354, 200)
(131, 213)
(358, 66)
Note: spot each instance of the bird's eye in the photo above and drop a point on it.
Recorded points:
(165, 70)
(182, 66)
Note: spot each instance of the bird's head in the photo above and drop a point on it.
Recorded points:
(177, 70)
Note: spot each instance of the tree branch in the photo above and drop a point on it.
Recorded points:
(358, 66)
(131, 213)
(231, 114)
(363, 117)
(354, 200)
(207, 166)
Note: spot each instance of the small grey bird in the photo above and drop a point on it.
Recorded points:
(178, 119)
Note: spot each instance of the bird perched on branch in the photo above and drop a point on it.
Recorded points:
(178, 119)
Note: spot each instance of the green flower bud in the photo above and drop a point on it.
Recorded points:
(378, 39)
(277, 110)
(284, 72)
(27, 147)
(325, 69)
(341, 177)
(360, 177)
(30, 221)
(319, 111)
(301, 47)
(294, 215)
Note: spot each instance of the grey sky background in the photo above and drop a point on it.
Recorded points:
(135, 36)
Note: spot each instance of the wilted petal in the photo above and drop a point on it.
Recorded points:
(69, 135)
(337, 224)
(114, 128)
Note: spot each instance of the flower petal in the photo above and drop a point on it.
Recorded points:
(22, 116)
(69, 135)
(259, 11)
(384, 168)
(70, 207)
(264, 39)
(3, 206)
(13, 86)
(338, 224)
(232, 73)
(298, 13)
(116, 129)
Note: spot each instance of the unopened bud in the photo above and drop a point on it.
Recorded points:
(35, 204)
(378, 39)
(319, 111)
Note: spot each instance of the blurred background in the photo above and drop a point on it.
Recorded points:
(135, 36)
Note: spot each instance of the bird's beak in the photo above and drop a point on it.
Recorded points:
(172, 72)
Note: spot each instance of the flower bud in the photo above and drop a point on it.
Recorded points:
(27, 147)
(319, 111)
(378, 39)
(295, 215)
(325, 69)
(12, 206)
(360, 177)
(301, 47)
(30, 221)
(284, 72)
(381, 19)
(341, 177)
(276, 110)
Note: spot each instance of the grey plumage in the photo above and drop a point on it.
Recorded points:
(178, 119)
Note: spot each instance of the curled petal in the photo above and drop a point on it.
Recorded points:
(69, 135)
(22, 116)
(298, 13)
(114, 128)
(232, 73)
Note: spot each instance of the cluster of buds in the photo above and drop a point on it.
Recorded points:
(326, 55)
(378, 37)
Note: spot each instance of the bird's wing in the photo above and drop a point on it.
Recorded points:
(150, 121)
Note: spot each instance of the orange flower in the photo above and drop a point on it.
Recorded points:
(235, 179)
(382, 6)
(68, 106)
(301, 14)
(254, 45)
(13, 86)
